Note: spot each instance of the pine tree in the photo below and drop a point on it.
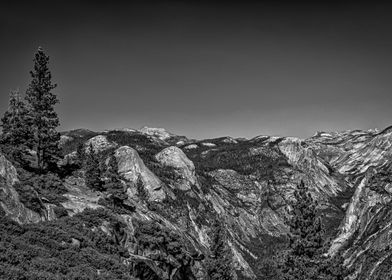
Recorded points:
(113, 184)
(80, 154)
(219, 264)
(305, 259)
(14, 122)
(141, 191)
(42, 116)
(93, 172)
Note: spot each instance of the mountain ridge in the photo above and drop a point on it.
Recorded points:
(248, 184)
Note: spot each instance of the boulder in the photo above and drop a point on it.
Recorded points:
(185, 169)
(132, 167)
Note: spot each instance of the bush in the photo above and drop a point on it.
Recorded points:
(46, 251)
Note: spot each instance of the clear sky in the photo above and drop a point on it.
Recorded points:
(203, 68)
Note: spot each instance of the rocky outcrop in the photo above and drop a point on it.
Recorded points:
(191, 146)
(132, 167)
(183, 167)
(99, 143)
(9, 198)
(316, 172)
(64, 139)
(208, 144)
(159, 133)
(79, 196)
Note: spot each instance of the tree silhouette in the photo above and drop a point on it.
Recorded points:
(43, 119)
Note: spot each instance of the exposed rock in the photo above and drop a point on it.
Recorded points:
(302, 156)
(99, 143)
(180, 143)
(79, 196)
(184, 168)
(191, 146)
(9, 198)
(229, 140)
(132, 167)
(64, 139)
(207, 144)
(159, 133)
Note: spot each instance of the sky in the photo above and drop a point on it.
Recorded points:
(206, 68)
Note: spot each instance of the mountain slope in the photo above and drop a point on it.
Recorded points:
(247, 184)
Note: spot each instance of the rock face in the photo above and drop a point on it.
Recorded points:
(366, 230)
(9, 198)
(159, 133)
(131, 166)
(79, 196)
(99, 143)
(184, 168)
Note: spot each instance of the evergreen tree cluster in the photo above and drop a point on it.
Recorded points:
(306, 256)
(31, 124)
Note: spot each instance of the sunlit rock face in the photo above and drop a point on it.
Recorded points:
(183, 167)
(132, 168)
(79, 196)
(316, 170)
(160, 133)
(363, 158)
(9, 198)
(99, 143)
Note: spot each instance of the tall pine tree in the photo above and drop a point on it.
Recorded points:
(42, 116)
(219, 264)
(14, 123)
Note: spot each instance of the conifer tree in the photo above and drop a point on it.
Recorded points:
(305, 259)
(14, 123)
(141, 191)
(93, 172)
(42, 116)
(219, 264)
(113, 185)
(80, 154)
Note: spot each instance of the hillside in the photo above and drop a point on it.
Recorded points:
(186, 185)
